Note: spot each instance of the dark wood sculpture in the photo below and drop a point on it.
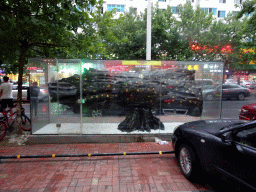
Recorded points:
(139, 93)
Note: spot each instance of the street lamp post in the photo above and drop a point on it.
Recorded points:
(148, 44)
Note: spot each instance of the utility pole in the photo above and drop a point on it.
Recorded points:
(148, 44)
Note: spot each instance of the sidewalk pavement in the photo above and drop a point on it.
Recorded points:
(155, 173)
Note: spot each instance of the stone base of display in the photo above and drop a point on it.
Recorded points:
(76, 139)
(140, 119)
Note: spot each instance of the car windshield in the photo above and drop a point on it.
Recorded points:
(232, 125)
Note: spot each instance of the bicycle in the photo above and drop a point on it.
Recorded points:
(7, 124)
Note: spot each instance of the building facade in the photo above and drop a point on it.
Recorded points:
(220, 8)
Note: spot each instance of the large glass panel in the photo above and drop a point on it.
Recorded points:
(210, 80)
(118, 95)
(61, 83)
(124, 97)
(39, 108)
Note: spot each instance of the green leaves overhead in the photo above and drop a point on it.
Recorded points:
(48, 23)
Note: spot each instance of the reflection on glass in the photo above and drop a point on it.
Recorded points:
(131, 96)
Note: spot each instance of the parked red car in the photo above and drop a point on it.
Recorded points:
(248, 112)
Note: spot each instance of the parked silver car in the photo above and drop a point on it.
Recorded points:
(42, 95)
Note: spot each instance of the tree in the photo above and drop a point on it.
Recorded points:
(248, 12)
(193, 25)
(208, 38)
(130, 36)
(165, 36)
(43, 27)
(223, 40)
(130, 33)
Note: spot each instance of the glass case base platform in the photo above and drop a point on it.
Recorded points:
(96, 128)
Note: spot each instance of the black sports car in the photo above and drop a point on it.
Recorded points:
(217, 146)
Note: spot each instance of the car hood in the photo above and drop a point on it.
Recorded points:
(211, 126)
(250, 106)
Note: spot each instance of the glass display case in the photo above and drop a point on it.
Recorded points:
(123, 97)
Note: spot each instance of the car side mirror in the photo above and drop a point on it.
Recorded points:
(226, 137)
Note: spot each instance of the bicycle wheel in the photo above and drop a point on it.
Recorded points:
(26, 123)
(3, 130)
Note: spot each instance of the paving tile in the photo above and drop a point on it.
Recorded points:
(109, 173)
(80, 175)
(71, 189)
(79, 188)
(73, 182)
(86, 188)
(105, 188)
(145, 187)
(63, 189)
(126, 180)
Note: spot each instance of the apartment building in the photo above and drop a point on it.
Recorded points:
(220, 8)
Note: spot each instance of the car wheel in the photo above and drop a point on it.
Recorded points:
(209, 97)
(240, 96)
(187, 160)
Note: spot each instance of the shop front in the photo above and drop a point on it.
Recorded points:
(118, 97)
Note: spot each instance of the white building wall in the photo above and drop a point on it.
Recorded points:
(141, 5)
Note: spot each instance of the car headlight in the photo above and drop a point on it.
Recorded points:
(244, 110)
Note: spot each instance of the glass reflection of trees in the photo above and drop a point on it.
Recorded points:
(138, 95)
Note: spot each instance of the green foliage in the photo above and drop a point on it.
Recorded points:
(44, 28)
(129, 41)
(215, 39)
(49, 28)
(248, 12)
(165, 37)
(193, 24)
(130, 32)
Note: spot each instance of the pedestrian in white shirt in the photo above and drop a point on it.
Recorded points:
(6, 95)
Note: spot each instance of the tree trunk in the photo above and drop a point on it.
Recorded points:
(22, 60)
(140, 119)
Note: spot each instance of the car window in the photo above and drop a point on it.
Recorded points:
(247, 137)
(15, 87)
(235, 86)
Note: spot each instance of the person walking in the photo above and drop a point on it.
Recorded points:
(34, 93)
(6, 94)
